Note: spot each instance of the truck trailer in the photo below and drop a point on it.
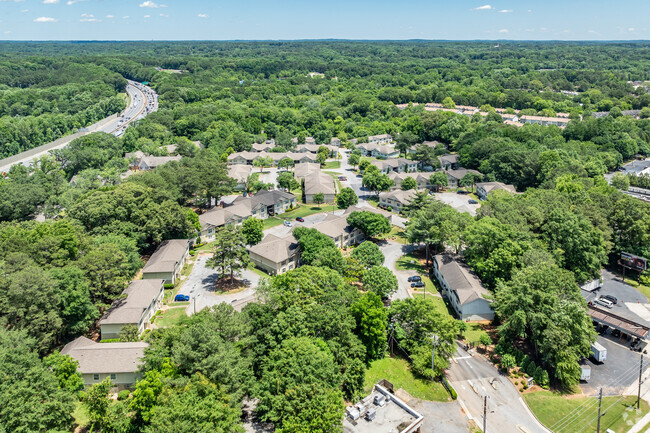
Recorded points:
(598, 352)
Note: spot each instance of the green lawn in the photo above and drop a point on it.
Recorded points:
(271, 222)
(398, 372)
(373, 200)
(306, 210)
(331, 165)
(473, 333)
(171, 317)
(259, 272)
(551, 407)
(404, 263)
(396, 234)
(80, 415)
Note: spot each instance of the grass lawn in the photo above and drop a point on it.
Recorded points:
(404, 263)
(551, 407)
(171, 317)
(334, 174)
(473, 333)
(373, 200)
(80, 414)
(396, 234)
(271, 222)
(306, 210)
(259, 272)
(398, 372)
(332, 164)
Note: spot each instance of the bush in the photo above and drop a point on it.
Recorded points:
(192, 252)
(508, 361)
(124, 394)
(525, 360)
(519, 355)
(541, 377)
(530, 370)
(168, 286)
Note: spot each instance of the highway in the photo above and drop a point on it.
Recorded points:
(143, 100)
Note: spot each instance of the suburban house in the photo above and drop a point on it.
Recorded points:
(338, 229)
(97, 361)
(398, 165)
(149, 162)
(313, 148)
(240, 173)
(310, 140)
(261, 205)
(335, 142)
(263, 147)
(380, 139)
(249, 158)
(143, 299)
(448, 161)
(542, 120)
(378, 150)
(167, 261)
(170, 148)
(276, 255)
(465, 292)
(431, 144)
(302, 170)
(483, 189)
(319, 183)
(382, 212)
(396, 200)
(422, 179)
(454, 176)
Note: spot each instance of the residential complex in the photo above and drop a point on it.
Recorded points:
(167, 261)
(396, 200)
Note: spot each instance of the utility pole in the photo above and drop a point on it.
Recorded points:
(484, 413)
(433, 356)
(638, 398)
(600, 402)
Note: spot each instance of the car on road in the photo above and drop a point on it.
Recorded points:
(181, 298)
(610, 298)
(418, 284)
(414, 278)
(288, 223)
(343, 178)
(300, 219)
(472, 201)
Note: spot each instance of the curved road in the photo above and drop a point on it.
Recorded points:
(143, 100)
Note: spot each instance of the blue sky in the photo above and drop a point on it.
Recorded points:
(309, 19)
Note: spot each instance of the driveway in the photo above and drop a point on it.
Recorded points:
(392, 252)
(474, 377)
(441, 417)
(458, 202)
(199, 285)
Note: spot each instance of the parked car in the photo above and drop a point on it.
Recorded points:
(610, 298)
(472, 201)
(415, 278)
(181, 298)
(418, 284)
(300, 219)
(603, 303)
(288, 223)
(343, 178)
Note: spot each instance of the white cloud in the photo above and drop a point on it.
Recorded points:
(110, 17)
(148, 4)
(483, 8)
(71, 2)
(147, 16)
(631, 29)
(24, 11)
(530, 10)
(503, 31)
(505, 11)
(88, 18)
(164, 15)
(45, 20)
(203, 15)
(593, 31)
(7, 32)
(13, 1)
(126, 17)
(50, 2)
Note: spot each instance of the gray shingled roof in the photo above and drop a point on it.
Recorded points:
(166, 256)
(105, 358)
(460, 278)
(139, 296)
(276, 249)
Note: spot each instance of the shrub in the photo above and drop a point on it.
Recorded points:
(192, 252)
(508, 361)
(524, 362)
(530, 369)
(124, 394)
(168, 286)
(541, 377)
(519, 355)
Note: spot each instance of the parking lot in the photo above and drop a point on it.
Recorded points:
(621, 368)
(460, 202)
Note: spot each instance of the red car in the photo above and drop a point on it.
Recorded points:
(300, 219)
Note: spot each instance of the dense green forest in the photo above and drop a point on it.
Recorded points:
(529, 249)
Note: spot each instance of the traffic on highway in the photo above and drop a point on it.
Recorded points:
(143, 101)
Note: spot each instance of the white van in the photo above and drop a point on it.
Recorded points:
(604, 302)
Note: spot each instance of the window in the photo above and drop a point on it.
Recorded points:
(113, 376)
(95, 376)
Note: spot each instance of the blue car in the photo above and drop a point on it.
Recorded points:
(181, 298)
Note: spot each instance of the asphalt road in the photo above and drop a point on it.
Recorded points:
(143, 100)
(473, 377)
